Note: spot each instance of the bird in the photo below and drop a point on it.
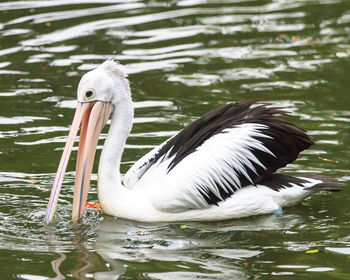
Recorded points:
(221, 166)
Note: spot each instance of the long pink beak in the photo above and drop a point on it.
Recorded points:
(93, 117)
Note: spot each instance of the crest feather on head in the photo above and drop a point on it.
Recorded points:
(112, 65)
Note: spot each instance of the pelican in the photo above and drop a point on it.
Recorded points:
(221, 166)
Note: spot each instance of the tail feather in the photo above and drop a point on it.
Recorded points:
(309, 181)
(325, 183)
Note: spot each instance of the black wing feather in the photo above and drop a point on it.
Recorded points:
(285, 141)
(277, 182)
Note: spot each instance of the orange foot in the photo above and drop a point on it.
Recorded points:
(92, 205)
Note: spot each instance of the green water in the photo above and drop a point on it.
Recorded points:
(183, 58)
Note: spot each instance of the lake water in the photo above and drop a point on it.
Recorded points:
(184, 58)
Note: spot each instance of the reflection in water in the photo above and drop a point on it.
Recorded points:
(205, 245)
(56, 263)
(87, 261)
(56, 266)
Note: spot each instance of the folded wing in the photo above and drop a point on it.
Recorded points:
(233, 146)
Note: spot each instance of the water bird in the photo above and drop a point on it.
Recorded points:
(221, 166)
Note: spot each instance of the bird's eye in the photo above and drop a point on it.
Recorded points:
(89, 94)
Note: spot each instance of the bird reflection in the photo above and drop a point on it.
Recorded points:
(88, 262)
(101, 249)
(55, 264)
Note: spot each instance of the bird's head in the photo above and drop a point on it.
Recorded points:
(107, 83)
(100, 92)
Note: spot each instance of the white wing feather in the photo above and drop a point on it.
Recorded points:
(137, 170)
(214, 167)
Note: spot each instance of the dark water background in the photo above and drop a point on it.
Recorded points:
(183, 58)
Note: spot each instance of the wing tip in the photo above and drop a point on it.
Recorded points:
(279, 181)
(327, 183)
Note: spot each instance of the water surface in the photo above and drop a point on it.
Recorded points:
(183, 59)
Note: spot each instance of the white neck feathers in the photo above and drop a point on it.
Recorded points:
(109, 166)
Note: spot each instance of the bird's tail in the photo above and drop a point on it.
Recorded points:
(308, 181)
(320, 182)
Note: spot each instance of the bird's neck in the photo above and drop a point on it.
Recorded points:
(109, 166)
